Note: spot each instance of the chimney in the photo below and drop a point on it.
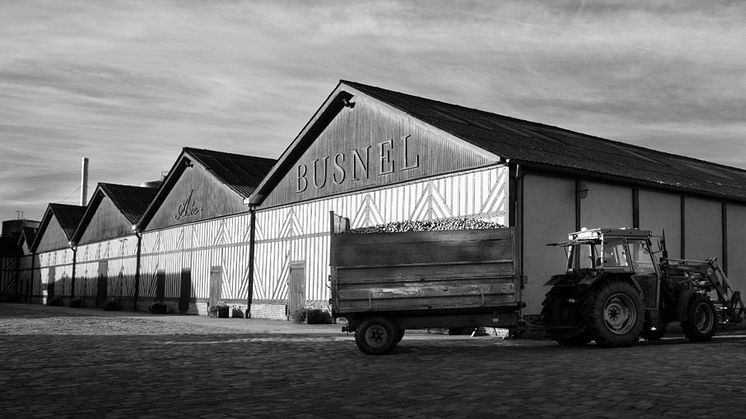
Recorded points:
(84, 182)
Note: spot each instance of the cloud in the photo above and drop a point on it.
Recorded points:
(129, 84)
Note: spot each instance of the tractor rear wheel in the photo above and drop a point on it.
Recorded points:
(701, 319)
(376, 336)
(614, 314)
(561, 309)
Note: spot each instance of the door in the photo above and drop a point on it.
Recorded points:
(296, 288)
(50, 284)
(102, 285)
(186, 290)
(160, 285)
(216, 285)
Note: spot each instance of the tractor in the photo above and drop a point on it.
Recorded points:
(616, 289)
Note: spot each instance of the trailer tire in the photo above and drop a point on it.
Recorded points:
(400, 335)
(614, 314)
(557, 311)
(701, 319)
(376, 336)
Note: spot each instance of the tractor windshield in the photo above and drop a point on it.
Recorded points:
(583, 255)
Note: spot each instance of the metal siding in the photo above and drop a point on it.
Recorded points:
(440, 197)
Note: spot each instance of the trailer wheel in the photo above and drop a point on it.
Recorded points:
(614, 314)
(400, 335)
(700, 322)
(376, 336)
(559, 311)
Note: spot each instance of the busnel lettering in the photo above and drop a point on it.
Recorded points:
(392, 156)
(187, 208)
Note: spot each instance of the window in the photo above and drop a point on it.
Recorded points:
(614, 254)
(642, 259)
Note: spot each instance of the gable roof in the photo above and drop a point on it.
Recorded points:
(240, 173)
(131, 201)
(68, 216)
(28, 234)
(532, 144)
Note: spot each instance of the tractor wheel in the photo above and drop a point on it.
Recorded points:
(701, 319)
(559, 311)
(376, 336)
(614, 314)
(656, 334)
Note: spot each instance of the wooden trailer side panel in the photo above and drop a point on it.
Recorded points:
(467, 269)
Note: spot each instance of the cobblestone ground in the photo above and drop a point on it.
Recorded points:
(75, 363)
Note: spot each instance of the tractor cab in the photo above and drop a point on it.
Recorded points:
(610, 249)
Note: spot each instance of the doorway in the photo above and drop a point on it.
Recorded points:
(101, 289)
(216, 285)
(296, 288)
(186, 290)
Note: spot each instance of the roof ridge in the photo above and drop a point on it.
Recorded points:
(537, 124)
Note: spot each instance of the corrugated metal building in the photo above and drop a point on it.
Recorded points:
(106, 246)
(377, 156)
(196, 232)
(54, 259)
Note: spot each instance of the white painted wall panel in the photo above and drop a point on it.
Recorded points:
(301, 232)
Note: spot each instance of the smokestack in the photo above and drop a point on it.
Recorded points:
(84, 182)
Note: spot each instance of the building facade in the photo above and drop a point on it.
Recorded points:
(196, 233)
(377, 156)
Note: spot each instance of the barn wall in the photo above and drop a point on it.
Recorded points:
(114, 259)
(222, 242)
(606, 206)
(548, 216)
(661, 211)
(54, 267)
(8, 278)
(703, 229)
(300, 233)
(28, 289)
(736, 231)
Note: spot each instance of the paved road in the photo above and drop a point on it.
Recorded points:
(62, 362)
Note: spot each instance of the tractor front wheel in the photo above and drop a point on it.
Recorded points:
(701, 319)
(561, 309)
(614, 314)
(376, 336)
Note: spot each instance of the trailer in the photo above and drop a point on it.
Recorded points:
(384, 283)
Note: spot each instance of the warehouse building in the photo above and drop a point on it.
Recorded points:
(195, 234)
(53, 260)
(106, 246)
(378, 156)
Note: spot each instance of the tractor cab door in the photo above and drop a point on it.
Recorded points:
(645, 269)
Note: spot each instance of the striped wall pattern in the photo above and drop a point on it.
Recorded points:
(120, 257)
(55, 267)
(301, 232)
(220, 242)
(30, 289)
(8, 282)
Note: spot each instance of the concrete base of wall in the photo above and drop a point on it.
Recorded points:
(268, 311)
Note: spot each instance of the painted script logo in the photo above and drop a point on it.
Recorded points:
(188, 208)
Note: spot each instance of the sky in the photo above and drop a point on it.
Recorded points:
(128, 84)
